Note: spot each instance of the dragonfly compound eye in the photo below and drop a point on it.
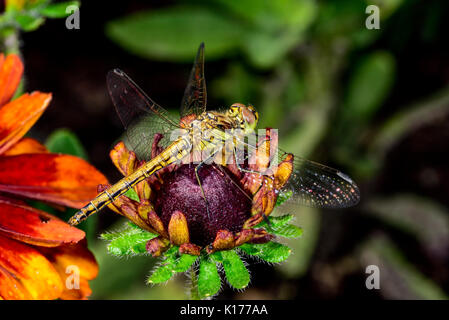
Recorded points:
(250, 116)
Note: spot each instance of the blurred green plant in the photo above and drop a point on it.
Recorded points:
(26, 16)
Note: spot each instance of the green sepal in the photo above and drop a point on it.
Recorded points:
(162, 273)
(209, 281)
(283, 196)
(235, 270)
(166, 269)
(273, 252)
(172, 262)
(184, 262)
(275, 221)
(130, 241)
(279, 226)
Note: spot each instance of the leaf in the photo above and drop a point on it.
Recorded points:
(17, 5)
(277, 26)
(369, 85)
(132, 240)
(184, 262)
(270, 252)
(279, 226)
(265, 50)
(283, 196)
(236, 272)
(174, 34)
(132, 194)
(209, 281)
(276, 221)
(287, 231)
(58, 10)
(272, 15)
(65, 141)
(28, 22)
(167, 267)
(162, 273)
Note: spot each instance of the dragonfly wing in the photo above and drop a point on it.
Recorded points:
(195, 95)
(311, 184)
(141, 116)
(316, 185)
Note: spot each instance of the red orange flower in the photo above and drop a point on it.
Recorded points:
(41, 257)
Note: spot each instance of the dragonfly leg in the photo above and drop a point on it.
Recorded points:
(224, 173)
(197, 168)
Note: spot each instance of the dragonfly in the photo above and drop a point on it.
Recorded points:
(311, 183)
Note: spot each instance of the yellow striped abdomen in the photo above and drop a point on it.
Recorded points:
(174, 152)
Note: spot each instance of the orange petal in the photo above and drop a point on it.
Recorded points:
(266, 150)
(131, 212)
(10, 288)
(265, 199)
(36, 274)
(62, 179)
(244, 236)
(223, 241)
(283, 172)
(157, 246)
(24, 146)
(77, 255)
(178, 229)
(75, 264)
(21, 222)
(190, 248)
(253, 221)
(123, 159)
(145, 209)
(17, 117)
(261, 236)
(11, 71)
(82, 293)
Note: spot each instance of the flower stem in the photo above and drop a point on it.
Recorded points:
(193, 284)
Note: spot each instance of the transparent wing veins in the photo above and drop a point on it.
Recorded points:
(141, 116)
(195, 95)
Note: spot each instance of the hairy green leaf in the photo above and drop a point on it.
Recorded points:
(132, 240)
(184, 262)
(236, 272)
(271, 251)
(209, 281)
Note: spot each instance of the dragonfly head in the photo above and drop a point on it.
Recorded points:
(245, 116)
